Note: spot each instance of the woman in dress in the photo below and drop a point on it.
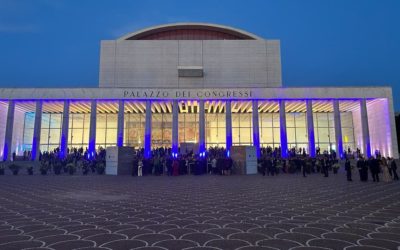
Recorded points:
(385, 170)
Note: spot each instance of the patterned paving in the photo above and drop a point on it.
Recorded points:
(198, 212)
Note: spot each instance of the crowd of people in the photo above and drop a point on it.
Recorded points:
(217, 161)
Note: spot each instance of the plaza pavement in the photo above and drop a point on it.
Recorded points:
(197, 212)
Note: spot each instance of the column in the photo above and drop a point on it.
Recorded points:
(36, 131)
(338, 130)
(147, 132)
(365, 129)
(310, 129)
(7, 151)
(228, 124)
(256, 129)
(120, 128)
(175, 113)
(202, 128)
(282, 120)
(92, 130)
(64, 130)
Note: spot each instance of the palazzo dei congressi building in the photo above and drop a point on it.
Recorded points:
(195, 83)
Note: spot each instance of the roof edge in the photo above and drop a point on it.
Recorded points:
(183, 24)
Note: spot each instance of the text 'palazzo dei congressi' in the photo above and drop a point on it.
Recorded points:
(195, 83)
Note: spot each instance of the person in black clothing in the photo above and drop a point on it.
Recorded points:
(374, 168)
(304, 167)
(325, 167)
(347, 167)
(169, 166)
(135, 167)
(393, 168)
(361, 166)
(268, 165)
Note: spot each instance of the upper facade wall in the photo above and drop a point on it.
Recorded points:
(225, 63)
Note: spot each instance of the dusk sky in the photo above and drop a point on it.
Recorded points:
(51, 43)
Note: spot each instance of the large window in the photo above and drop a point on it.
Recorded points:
(242, 129)
(215, 130)
(296, 127)
(78, 133)
(106, 130)
(161, 130)
(29, 124)
(134, 129)
(346, 119)
(50, 132)
(269, 124)
(188, 127)
(324, 131)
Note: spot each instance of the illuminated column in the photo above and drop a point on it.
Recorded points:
(310, 129)
(175, 113)
(228, 124)
(7, 151)
(338, 130)
(64, 130)
(147, 132)
(256, 129)
(202, 129)
(120, 129)
(36, 131)
(282, 120)
(365, 129)
(92, 130)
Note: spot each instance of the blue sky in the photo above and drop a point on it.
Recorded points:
(51, 43)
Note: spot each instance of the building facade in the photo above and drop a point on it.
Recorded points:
(212, 85)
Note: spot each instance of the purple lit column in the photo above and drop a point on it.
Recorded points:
(310, 129)
(365, 128)
(64, 130)
(147, 132)
(256, 129)
(282, 120)
(92, 129)
(7, 152)
(120, 129)
(338, 130)
(175, 113)
(202, 129)
(228, 124)
(36, 131)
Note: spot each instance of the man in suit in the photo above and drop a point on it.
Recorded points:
(347, 167)
(374, 168)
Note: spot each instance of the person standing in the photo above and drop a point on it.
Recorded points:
(347, 167)
(374, 168)
(140, 167)
(385, 170)
(393, 167)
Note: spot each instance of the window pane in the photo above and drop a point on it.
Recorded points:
(54, 136)
(55, 121)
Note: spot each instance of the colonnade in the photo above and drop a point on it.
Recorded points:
(366, 148)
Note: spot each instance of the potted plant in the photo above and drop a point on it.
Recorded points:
(335, 167)
(85, 169)
(14, 168)
(29, 169)
(1, 168)
(44, 168)
(100, 167)
(71, 168)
